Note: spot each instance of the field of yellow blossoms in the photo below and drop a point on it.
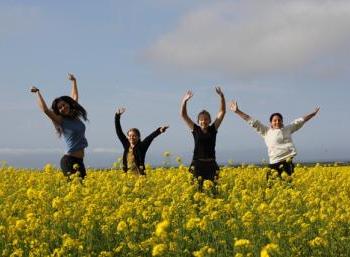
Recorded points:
(163, 214)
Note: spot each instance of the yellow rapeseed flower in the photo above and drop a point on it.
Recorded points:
(122, 226)
(161, 228)
(269, 249)
(159, 250)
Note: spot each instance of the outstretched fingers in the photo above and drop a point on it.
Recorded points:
(71, 77)
(188, 95)
(219, 91)
(316, 110)
(34, 89)
(164, 128)
(120, 111)
(233, 106)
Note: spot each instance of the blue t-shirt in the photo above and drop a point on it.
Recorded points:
(74, 134)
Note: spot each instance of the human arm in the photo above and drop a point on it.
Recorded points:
(148, 140)
(311, 115)
(257, 125)
(235, 109)
(123, 139)
(184, 114)
(298, 123)
(56, 119)
(222, 111)
(74, 91)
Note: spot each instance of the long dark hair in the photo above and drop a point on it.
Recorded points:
(76, 111)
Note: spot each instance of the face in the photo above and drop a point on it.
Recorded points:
(204, 121)
(276, 122)
(63, 108)
(133, 137)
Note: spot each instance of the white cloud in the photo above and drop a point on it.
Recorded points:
(255, 37)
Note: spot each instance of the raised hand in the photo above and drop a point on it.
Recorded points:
(234, 106)
(120, 111)
(34, 89)
(71, 77)
(163, 129)
(219, 91)
(187, 96)
(311, 115)
(316, 110)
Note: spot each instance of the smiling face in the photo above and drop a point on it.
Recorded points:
(204, 121)
(276, 122)
(133, 137)
(63, 108)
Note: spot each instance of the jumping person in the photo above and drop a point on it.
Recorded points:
(67, 114)
(204, 161)
(135, 149)
(278, 140)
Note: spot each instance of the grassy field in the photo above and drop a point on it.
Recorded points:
(163, 214)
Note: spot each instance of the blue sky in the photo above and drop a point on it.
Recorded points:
(285, 56)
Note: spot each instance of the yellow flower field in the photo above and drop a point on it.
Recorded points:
(163, 214)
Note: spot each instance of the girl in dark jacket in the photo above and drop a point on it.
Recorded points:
(134, 148)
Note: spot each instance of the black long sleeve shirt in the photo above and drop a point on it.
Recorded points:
(140, 148)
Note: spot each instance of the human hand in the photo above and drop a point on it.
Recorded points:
(34, 89)
(187, 96)
(316, 110)
(234, 106)
(71, 77)
(219, 91)
(120, 111)
(163, 129)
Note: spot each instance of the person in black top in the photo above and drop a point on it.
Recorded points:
(204, 161)
(134, 149)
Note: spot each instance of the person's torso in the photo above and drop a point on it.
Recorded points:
(131, 163)
(204, 143)
(279, 143)
(74, 134)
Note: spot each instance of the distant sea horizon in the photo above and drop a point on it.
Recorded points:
(104, 160)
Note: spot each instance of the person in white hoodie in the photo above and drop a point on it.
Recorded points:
(278, 138)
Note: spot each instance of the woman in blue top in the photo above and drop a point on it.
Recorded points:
(66, 114)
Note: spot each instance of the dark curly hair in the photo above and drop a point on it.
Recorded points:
(76, 110)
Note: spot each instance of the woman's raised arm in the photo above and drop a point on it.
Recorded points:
(222, 111)
(57, 119)
(311, 115)
(74, 92)
(235, 109)
(184, 114)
